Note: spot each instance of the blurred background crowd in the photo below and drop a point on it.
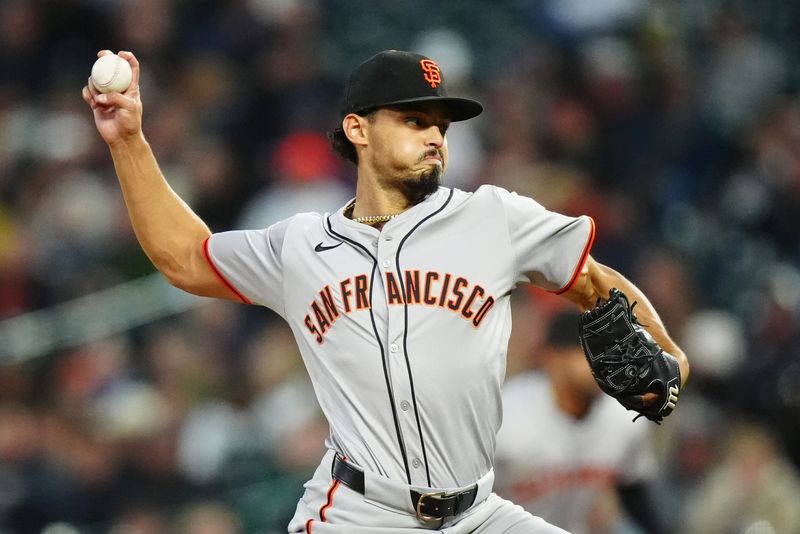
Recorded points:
(125, 407)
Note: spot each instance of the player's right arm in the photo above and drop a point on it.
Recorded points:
(169, 232)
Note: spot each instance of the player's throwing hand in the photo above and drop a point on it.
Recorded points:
(118, 116)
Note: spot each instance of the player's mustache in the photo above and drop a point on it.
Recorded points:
(431, 152)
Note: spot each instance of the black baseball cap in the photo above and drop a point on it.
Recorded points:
(394, 77)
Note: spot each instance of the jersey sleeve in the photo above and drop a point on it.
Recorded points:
(550, 249)
(250, 263)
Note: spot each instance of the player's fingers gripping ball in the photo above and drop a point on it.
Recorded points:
(626, 361)
(111, 73)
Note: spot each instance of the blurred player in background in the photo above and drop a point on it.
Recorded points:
(570, 454)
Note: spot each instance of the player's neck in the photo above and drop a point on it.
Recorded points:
(380, 193)
(375, 200)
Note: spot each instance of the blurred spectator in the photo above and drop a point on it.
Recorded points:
(669, 286)
(22, 48)
(576, 18)
(752, 489)
(716, 340)
(147, 26)
(746, 74)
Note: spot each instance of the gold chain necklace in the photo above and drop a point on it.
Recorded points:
(369, 219)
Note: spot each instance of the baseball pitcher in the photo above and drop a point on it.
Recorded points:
(399, 301)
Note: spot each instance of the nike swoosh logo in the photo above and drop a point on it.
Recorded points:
(321, 248)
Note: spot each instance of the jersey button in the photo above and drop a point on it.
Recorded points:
(393, 347)
(388, 238)
(405, 405)
(416, 462)
(385, 263)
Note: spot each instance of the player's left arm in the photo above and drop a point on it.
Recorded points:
(596, 280)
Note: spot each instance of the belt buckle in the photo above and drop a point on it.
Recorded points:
(425, 518)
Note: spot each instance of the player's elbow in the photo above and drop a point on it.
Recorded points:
(177, 274)
(177, 278)
(180, 260)
(190, 281)
(198, 278)
(181, 270)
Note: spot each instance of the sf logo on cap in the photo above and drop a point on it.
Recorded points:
(432, 73)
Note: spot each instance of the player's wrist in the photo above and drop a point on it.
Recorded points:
(129, 142)
(683, 364)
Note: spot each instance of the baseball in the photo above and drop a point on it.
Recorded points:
(111, 73)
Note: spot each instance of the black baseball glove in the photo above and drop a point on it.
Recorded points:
(625, 359)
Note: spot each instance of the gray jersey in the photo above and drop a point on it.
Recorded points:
(404, 331)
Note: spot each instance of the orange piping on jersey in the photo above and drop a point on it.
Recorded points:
(584, 255)
(221, 278)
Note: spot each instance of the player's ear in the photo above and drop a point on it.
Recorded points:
(355, 128)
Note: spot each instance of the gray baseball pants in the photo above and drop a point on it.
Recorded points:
(329, 507)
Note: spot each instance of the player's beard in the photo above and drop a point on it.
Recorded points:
(417, 188)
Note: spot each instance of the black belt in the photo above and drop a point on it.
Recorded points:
(430, 507)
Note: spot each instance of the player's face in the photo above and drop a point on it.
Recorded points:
(408, 147)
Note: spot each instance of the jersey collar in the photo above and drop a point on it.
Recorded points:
(354, 230)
